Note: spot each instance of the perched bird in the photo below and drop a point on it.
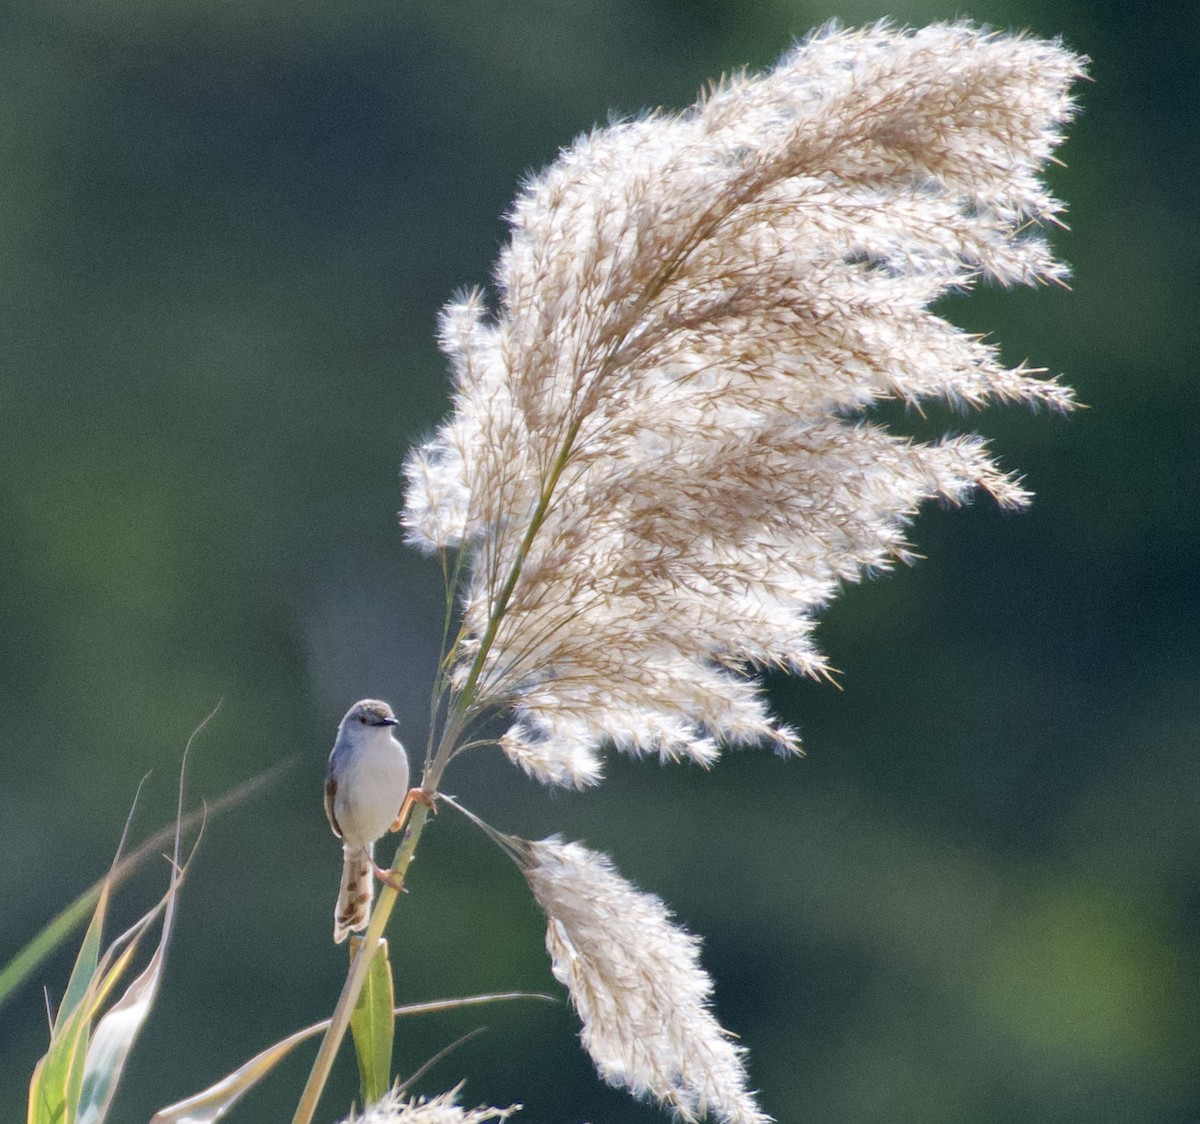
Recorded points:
(366, 794)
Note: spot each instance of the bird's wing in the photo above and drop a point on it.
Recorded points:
(330, 793)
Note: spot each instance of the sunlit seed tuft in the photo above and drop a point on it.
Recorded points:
(659, 462)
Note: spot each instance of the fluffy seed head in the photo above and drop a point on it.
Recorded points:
(635, 979)
(395, 1108)
(658, 461)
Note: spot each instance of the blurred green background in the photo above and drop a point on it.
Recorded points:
(225, 232)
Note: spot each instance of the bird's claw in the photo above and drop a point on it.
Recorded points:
(385, 876)
(414, 796)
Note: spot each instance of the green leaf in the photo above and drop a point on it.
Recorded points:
(64, 1067)
(373, 1027)
(26, 961)
(116, 1032)
(118, 1029)
(85, 962)
(54, 1087)
(35, 1086)
(75, 1081)
(58, 1077)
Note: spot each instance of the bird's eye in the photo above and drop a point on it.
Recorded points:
(363, 719)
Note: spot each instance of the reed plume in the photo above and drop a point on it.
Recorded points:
(658, 466)
(660, 463)
(395, 1108)
(635, 979)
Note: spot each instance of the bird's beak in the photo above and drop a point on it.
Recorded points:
(387, 722)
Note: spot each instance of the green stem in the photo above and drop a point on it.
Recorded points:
(467, 695)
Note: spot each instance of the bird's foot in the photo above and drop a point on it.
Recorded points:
(387, 878)
(415, 796)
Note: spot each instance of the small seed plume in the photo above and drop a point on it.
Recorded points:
(634, 977)
(657, 468)
(395, 1108)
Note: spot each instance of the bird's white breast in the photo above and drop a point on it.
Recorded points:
(371, 787)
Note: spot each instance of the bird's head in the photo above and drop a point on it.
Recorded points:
(367, 714)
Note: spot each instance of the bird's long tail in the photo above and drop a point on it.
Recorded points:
(353, 909)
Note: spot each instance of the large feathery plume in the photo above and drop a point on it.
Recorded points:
(635, 979)
(657, 468)
(395, 1108)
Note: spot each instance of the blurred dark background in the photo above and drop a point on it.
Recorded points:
(225, 232)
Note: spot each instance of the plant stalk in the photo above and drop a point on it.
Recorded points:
(459, 713)
(357, 975)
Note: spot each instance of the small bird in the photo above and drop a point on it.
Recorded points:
(366, 794)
